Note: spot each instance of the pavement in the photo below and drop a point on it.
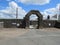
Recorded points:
(34, 37)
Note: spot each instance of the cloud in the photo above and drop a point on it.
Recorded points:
(33, 17)
(58, 6)
(10, 12)
(51, 11)
(34, 2)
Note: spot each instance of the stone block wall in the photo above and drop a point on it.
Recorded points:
(48, 23)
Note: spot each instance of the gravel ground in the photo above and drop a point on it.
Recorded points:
(15, 36)
(6, 33)
(14, 32)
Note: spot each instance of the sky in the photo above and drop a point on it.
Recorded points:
(46, 7)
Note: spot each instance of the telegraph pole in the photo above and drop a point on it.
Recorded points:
(59, 12)
(16, 16)
(16, 13)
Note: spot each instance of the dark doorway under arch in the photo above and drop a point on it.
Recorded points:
(33, 19)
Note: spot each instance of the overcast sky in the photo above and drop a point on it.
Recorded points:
(46, 7)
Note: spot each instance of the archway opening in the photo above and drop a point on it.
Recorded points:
(36, 13)
(33, 21)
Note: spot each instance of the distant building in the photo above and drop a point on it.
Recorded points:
(54, 17)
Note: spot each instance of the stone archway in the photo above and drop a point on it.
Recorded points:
(38, 14)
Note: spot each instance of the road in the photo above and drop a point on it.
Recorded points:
(34, 37)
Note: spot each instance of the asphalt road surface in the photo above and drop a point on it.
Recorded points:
(34, 37)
